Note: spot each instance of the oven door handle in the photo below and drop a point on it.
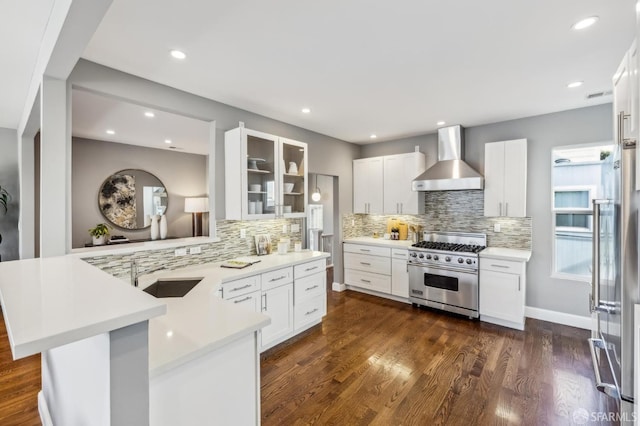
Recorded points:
(447, 268)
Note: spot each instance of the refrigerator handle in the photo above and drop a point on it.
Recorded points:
(621, 139)
(595, 261)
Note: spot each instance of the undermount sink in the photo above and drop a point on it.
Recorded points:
(172, 287)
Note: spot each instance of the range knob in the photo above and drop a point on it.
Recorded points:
(460, 260)
(469, 261)
(435, 257)
(414, 255)
(447, 259)
(428, 256)
(421, 256)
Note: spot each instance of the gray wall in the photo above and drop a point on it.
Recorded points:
(184, 175)
(544, 132)
(9, 179)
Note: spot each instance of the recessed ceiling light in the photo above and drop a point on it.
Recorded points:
(574, 84)
(585, 23)
(111, 132)
(178, 54)
(440, 123)
(167, 141)
(306, 110)
(373, 136)
(149, 114)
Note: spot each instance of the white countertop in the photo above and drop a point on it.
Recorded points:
(201, 322)
(124, 248)
(53, 301)
(380, 242)
(506, 254)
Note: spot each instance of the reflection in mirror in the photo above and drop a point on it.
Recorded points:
(128, 199)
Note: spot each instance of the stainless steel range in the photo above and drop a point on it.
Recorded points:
(443, 271)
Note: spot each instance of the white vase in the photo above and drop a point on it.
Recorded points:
(98, 241)
(155, 231)
(163, 227)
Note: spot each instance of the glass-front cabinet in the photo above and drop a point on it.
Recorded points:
(265, 176)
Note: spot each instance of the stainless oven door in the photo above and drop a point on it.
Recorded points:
(449, 286)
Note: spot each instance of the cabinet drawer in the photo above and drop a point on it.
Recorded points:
(308, 311)
(400, 254)
(368, 280)
(363, 249)
(499, 265)
(364, 262)
(277, 278)
(309, 268)
(249, 301)
(239, 287)
(308, 287)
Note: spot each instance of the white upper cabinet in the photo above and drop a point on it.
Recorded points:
(399, 172)
(368, 185)
(382, 185)
(505, 178)
(265, 176)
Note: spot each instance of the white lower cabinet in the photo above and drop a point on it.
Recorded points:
(502, 292)
(399, 273)
(294, 297)
(278, 304)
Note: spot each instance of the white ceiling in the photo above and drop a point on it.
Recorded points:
(93, 115)
(362, 66)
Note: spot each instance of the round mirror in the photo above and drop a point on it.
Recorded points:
(128, 199)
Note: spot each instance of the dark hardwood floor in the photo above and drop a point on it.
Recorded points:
(19, 385)
(375, 361)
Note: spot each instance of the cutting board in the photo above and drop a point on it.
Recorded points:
(403, 227)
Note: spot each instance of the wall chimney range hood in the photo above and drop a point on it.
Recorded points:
(450, 173)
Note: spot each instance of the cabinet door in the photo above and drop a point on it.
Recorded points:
(399, 172)
(278, 304)
(493, 178)
(250, 174)
(399, 278)
(501, 296)
(293, 179)
(515, 178)
(368, 185)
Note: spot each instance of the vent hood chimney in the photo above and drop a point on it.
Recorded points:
(450, 173)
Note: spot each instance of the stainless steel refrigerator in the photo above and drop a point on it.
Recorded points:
(615, 288)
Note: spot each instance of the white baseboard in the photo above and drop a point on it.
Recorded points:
(338, 287)
(558, 317)
(43, 410)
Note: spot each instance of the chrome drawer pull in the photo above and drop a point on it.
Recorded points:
(500, 266)
(311, 288)
(365, 263)
(311, 269)
(240, 288)
(242, 300)
(365, 281)
(277, 279)
(367, 250)
(312, 311)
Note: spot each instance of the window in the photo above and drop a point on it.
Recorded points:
(576, 176)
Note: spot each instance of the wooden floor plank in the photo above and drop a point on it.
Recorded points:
(375, 361)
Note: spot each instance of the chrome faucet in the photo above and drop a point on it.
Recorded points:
(135, 274)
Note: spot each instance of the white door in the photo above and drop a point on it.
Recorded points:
(493, 178)
(278, 304)
(399, 278)
(368, 185)
(515, 178)
(500, 296)
(399, 173)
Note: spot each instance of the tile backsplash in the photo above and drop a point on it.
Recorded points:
(230, 246)
(461, 211)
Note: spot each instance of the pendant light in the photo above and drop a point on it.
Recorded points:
(316, 196)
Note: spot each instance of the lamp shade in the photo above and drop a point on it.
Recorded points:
(196, 204)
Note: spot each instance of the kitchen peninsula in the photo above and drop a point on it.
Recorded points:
(110, 355)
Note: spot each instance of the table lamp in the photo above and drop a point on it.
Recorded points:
(196, 206)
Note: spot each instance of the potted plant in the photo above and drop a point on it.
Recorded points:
(5, 197)
(99, 234)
